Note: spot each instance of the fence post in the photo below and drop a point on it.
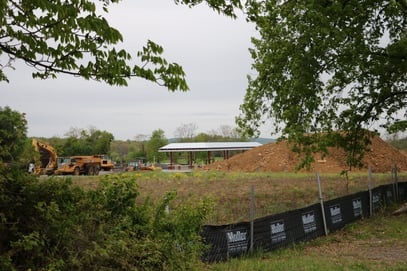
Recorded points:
(370, 190)
(321, 201)
(395, 183)
(251, 218)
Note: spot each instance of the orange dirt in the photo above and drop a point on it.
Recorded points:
(277, 157)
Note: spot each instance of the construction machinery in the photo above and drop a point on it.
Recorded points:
(49, 163)
(48, 158)
(132, 166)
(139, 165)
(79, 165)
(106, 163)
(136, 166)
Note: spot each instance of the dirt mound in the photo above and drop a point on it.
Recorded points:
(277, 157)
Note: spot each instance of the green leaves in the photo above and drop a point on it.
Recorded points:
(157, 140)
(164, 73)
(13, 133)
(226, 7)
(70, 37)
(55, 225)
(83, 142)
(325, 66)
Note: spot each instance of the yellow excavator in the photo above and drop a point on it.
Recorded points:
(48, 158)
(50, 164)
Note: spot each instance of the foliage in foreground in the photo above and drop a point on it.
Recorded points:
(54, 225)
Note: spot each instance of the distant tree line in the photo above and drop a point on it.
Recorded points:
(144, 147)
(91, 141)
(399, 143)
(82, 142)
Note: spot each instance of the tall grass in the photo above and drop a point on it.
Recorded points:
(274, 192)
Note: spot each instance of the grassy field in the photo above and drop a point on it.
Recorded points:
(230, 192)
(377, 243)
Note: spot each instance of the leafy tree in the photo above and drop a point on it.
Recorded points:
(141, 142)
(75, 146)
(325, 66)
(399, 143)
(101, 141)
(83, 142)
(70, 37)
(203, 137)
(129, 150)
(156, 141)
(226, 7)
(57, 142)
(13, 134)
(120, 149)
(134, 155)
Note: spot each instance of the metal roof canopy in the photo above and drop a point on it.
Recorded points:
(208, 146)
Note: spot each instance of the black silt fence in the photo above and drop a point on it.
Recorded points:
(275, 231)
(402, 191)
(284, 229)
(226, 241)
(345, 210)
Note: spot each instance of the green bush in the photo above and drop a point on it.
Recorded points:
(54, 225)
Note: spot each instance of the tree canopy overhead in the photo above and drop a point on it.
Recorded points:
(71, 37)
(324, 66)
(320, 66)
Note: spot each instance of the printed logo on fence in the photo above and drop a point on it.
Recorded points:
(376, 200)
(308, 221)
(237, 242)
(357, 207)
(336, 214)
(277, 231)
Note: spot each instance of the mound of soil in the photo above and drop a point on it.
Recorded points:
(277, 157)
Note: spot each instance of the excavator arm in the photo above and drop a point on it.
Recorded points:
(48, 157)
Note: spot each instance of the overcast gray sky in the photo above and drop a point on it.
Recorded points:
(212, 49)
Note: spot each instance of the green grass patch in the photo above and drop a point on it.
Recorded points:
(230, 191)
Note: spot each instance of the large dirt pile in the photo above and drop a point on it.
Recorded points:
(277, 157)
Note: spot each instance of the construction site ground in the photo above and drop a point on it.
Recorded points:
(278, 157)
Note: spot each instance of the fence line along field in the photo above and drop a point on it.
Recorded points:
(228, 183)
(230, 192)
(270, 170)
(378, 243)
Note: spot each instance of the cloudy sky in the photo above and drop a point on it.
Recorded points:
(212, 49)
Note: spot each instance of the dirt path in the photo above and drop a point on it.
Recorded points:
(379, 240)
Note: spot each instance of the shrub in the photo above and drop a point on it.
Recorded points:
(54, 225)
